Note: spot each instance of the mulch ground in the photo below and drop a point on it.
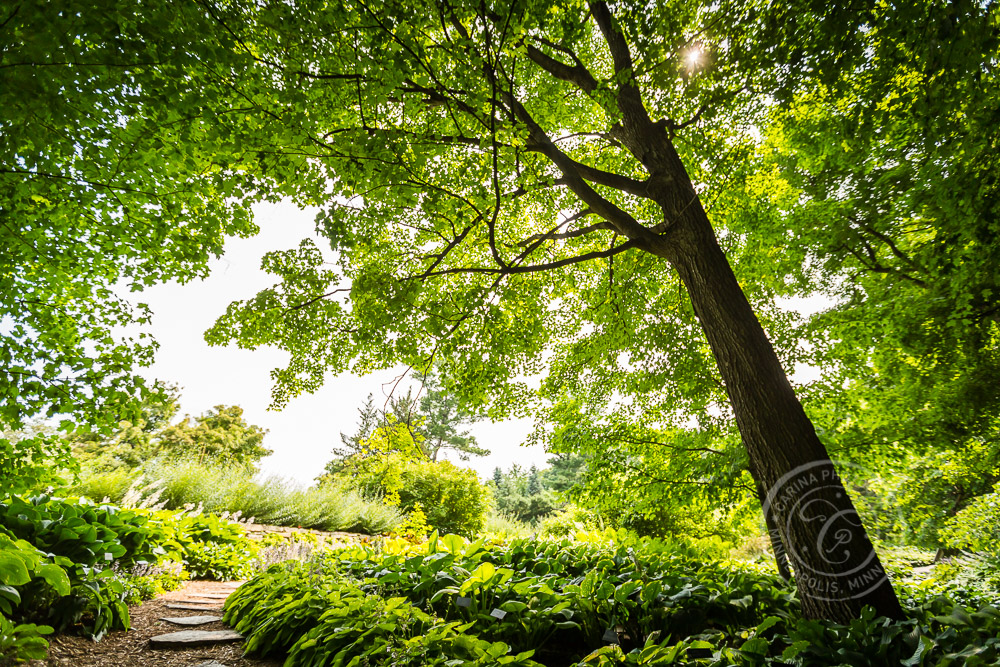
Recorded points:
(131, 649)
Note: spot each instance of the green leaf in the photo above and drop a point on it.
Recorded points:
(55, 576)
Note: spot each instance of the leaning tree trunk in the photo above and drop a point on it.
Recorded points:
(836, 569)
(774, 534)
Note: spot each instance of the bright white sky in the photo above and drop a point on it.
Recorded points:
(302, 434)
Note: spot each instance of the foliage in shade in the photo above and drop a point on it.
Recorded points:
(659, 602)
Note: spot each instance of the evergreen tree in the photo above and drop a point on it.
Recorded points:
(534, 486)
(433, 423)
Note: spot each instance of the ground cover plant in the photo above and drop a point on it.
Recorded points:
(558, 603)
(70, 565)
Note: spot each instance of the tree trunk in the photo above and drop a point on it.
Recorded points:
(837, 571)
(774, 534)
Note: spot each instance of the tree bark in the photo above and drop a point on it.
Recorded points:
(774, 534)
(837, 571)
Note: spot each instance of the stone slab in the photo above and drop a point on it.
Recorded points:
(211, 596)
(193, 607)
(210, 663)
(191, 620)
(189, 638)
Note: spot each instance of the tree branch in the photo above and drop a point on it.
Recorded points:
(578, 75)
(629, 98)
(552, 236)
(594, 175)
(532, 268)
(623, 223)
(305, 304)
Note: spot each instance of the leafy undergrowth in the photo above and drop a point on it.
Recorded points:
(533, 602)
(68, 565)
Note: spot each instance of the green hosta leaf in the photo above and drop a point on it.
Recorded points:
(742, 602)
(923, 646)
(10, 593)
(756, 645)
(452, 543)
(625, 590)
(650, 592)
(55, 576)
(796, 648)
(605, 591)
(484, 572)
(767, 623)
(13, 570)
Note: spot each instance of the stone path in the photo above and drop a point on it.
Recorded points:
(138, 647)
(186, 639)
(192, 607)
(190, 638)
(191, 620)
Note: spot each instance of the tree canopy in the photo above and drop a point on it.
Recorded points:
(117, 171)
(220, 436)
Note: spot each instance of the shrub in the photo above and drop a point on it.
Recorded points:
(501, 525)
(80, 542)
(209, 546)
(20, 564)
(568, 521)
(452, 498)
(23, 641)
(84, 533)
(319, 617)
(271, 500)
(144, 582)
(108, 486)
(977, 526)
(221, 561)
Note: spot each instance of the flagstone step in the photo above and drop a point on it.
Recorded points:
(209, 663)
(190, 638)
(211, 596)
(192, 607)
(191, 620)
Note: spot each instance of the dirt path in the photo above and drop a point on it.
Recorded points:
(132, 649)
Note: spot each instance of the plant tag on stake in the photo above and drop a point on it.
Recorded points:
(700, 653)
(498, 614)
(464, 602)
(108, 556)
(610, 636)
